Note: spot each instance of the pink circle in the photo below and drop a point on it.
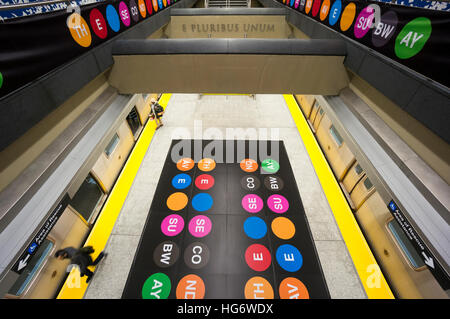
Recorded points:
(124, 14)
(364, 22)
(172, 225)
(200, 226)
(278, 204)
(297, 2)
(252, 203)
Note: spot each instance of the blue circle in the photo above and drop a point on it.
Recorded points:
(160, 4)
(289, 258)
(255, 227)
(335, 12)
(113, 18)
(292, 3)
(202, 202)
(181, 181)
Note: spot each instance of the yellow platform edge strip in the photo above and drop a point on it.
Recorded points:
(74, 286)
(371, 277)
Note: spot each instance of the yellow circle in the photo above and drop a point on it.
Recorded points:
(206, 164)
(177, 201)
(283, 228)
(79, 30)
(348, 15)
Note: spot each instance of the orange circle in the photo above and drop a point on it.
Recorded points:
(249, 165)
(348, 15)
(79, 30)
(185, 164)
(283, 228)
(258, 288)
(324, 9)
(155, 5)
(206, 164)
(177, 201)
(191, 287)
(142, 8)
(292, 288)
(308, 6)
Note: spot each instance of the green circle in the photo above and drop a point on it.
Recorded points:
(412, 38)
(270, 165)
(157, 286)
(1, 80)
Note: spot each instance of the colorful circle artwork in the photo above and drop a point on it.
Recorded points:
(364, 22)
(190, 287)
(204, 181)
(172, 225)
(79, 30)
(200, 226)
(412, 38)
(252, 203)
(292, 288)
(289, 258)
(278, 203)
(258, 257)
(177, 201)
(98, 23)
(181, 181)
(258, 288)
(348, 15)
(113, 18)
(202, 202)
(255, 227)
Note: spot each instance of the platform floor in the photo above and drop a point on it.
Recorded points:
(199, 115)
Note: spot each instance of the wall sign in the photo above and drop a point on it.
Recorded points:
(427, 257)
(26, 256)
(416, 38)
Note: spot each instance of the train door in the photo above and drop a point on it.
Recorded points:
(306, 102)
(110, 162)
(42, 276)
(134, 122)
(333, 145)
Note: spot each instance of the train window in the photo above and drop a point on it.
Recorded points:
(368, 184)
(337, 137)
(316, 104)
(112, 145)
(31, 268)
(321, 111)
(133, 121)
(358, 169)
(87, 197)
(405, 245)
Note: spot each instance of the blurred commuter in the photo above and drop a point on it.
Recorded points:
(80, 258)
(156, 113)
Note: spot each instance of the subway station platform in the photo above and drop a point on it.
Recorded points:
(304, 151)
(200, 114)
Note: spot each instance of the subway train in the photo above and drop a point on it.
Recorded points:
(44, 274)
(402, 266)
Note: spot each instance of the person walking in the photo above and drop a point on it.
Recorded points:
(156, 113)
(80, 258)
